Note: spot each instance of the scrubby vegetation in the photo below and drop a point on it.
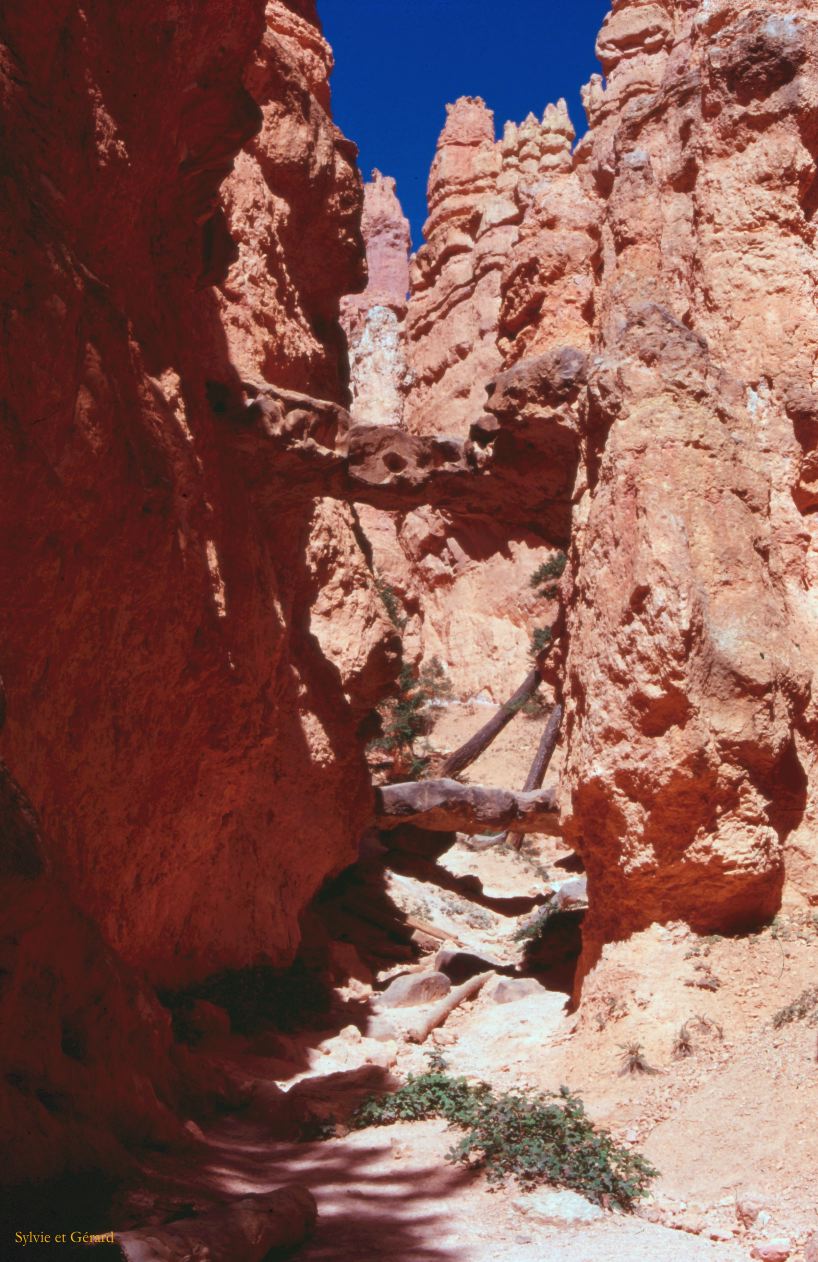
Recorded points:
(409, 715)
(804, 1008)
(392, 605)
(544, 578)
(634, 1060)
(525, 1136)
(541, 638)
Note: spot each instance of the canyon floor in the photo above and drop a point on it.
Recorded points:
(730, 1126)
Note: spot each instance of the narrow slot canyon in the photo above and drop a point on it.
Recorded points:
(408, 748)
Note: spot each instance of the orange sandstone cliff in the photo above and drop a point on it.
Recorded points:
(649, 312)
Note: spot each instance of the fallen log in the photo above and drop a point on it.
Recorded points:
(473, 748)
(248, 1229)
(419, 1033)
(448, 806)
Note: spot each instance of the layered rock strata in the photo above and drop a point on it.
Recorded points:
(478, 187)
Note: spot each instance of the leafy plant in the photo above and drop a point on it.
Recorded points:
(530, 1137)
(432, 1094)
(392, 604)
(804, 1008)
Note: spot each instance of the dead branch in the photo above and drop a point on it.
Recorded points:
(473, 748)
(441, 1010)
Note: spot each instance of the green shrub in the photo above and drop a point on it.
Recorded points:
(432, 1094)
(541, 638)
(408, 716)
(529, 1137)
(392, 604)
(544, 576)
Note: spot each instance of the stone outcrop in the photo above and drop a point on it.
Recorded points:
(293, 209)
(465, 582)
(477, 190)
(374, 320)
(187, 668)
(89, 1067)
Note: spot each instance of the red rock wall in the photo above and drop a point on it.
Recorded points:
(478, 188)
(89, 1066)
(465, 583)
(186, 672)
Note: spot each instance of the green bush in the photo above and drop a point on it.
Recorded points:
(407, 716)
(529, 1137)
(433, 1094)
(545, 575)
(392, 605)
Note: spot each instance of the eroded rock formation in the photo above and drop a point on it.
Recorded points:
(648, 318)
(478, 187)
(465, 582)
(192, 638)
(374, 320)
(690, 622)
(186, 670)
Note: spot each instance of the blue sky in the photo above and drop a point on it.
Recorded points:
(399, 61)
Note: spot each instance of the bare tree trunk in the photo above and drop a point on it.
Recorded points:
(542, 759)
(441, 1010)
(473, 748)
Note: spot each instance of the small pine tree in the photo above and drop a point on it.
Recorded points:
(543, 580)
(407, 716)
(540, 639)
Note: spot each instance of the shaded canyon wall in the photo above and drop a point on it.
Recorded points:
(186, 672)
